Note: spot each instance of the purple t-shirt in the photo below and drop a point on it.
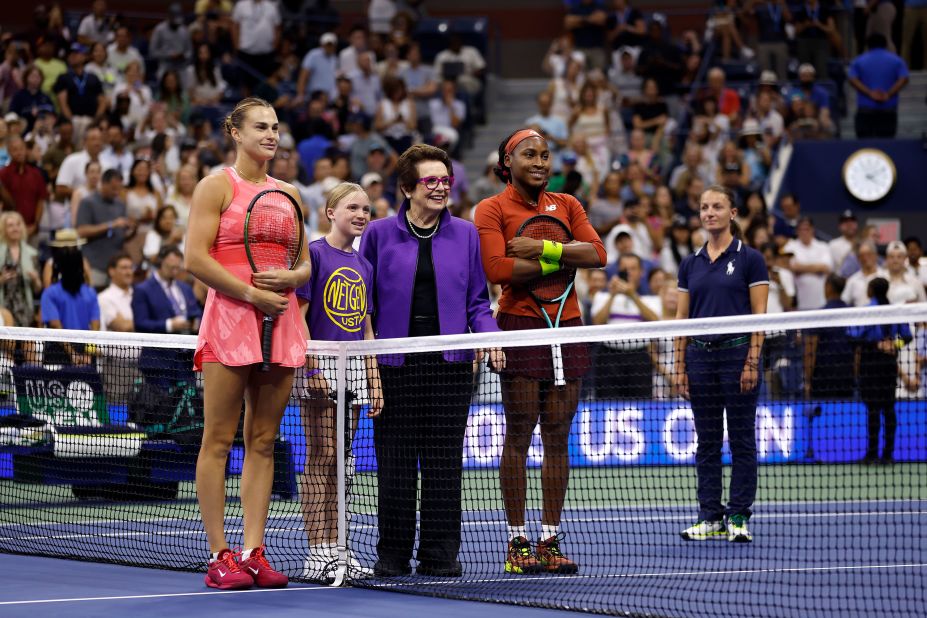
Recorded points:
(337, 293)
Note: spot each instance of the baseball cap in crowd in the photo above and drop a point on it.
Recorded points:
(732, 166)
(329, 38)
(329, 183)
(287, 142)
(751, 127)
(568, 156)
(847, 215)
(769, 78)
(806, 67)
(376, 146)
(12, 117)
(79, 48)
(359, 118)
(896, 245)
(493, 159)
(370, 178)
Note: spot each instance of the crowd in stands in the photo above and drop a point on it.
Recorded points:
(641, 121)
(107, 128)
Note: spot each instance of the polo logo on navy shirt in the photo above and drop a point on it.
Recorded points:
(730, 268)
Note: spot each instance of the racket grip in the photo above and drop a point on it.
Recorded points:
(557, 356)
(267, 337)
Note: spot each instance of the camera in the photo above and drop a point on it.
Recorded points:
(623, 275)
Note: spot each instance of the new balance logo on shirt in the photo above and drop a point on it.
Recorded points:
(550, 208)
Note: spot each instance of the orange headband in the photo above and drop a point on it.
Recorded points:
(519, 137)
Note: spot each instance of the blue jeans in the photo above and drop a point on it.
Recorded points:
(714, 387)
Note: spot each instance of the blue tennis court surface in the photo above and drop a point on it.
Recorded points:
(846, 567)
(809, 558)
(37, 587)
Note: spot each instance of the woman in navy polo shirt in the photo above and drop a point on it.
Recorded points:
(427, 280)
(721, 372)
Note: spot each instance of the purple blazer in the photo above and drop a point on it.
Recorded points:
(463, 298)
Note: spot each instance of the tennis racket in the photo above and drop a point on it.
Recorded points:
(273, 241)
(554, 288)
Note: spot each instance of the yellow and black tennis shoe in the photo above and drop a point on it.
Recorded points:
(520, 558)
(552, 559)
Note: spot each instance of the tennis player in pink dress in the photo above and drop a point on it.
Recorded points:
(229, 349)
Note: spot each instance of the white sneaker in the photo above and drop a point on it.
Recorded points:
(704, 530)
(737, 531)
(321, 565)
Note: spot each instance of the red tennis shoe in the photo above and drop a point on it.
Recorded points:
(225, 574)
(264, 575)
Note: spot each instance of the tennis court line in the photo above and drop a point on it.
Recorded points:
(579, 509)
(548, 577)
(476, 581)
(639, 518)
(169, 595)
(471, 523)
(616, 507)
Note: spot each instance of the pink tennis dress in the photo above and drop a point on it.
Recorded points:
(230, 330)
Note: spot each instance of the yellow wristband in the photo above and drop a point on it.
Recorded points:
(552, 250)
(548, 266)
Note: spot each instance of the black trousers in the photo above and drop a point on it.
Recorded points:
(878, 374)
(422, 426)
(876, 123)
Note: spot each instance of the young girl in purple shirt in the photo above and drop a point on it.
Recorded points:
(336, 305)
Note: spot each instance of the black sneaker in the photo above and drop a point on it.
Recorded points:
(387, 567)
(440, 569)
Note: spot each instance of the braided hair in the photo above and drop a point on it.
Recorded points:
(502, 171)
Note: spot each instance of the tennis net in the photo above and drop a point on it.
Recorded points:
(99, 434)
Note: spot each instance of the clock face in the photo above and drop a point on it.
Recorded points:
(869, 175)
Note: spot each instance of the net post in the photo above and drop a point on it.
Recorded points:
(341, 375)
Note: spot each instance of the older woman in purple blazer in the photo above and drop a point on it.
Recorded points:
(427, 280)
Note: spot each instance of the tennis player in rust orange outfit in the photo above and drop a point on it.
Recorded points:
(529, 393)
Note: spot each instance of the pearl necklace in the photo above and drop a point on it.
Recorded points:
(434, 230)
(257, 182)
